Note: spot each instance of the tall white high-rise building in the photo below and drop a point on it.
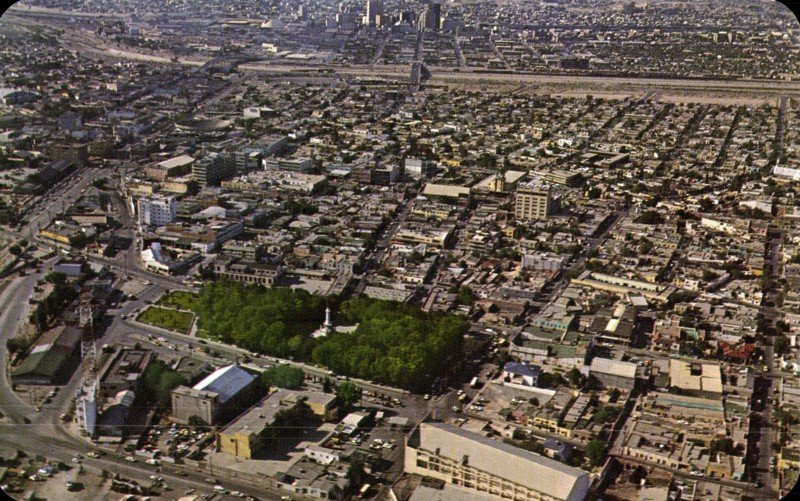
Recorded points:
(157, 211)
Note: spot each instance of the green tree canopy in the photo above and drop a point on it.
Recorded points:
(722, 445)
(650, 217)
(575, 377)
(348, 394)
(550, 380)
(158, 381)
(394, 343)
(465, 295)
(55, 277)
(275, 321)
(781, 345)
(607, 414)
(596, 452)
(196, 422)
(283, 376)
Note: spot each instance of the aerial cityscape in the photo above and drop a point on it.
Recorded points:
(400, 250)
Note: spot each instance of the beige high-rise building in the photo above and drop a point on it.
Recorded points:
(533, 202)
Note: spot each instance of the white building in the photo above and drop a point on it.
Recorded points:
(720, 225)
(614, 373)
(157, 211)
(322, 455)
(787, 172)
(543, 261)
(154, 260)
(416, 168)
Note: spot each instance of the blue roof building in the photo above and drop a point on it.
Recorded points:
(218, 398)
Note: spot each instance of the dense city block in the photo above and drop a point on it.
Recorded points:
(399, 250)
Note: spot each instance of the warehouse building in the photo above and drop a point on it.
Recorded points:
(614, 373)
(52, 359)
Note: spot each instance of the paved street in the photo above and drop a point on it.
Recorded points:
(13, 308)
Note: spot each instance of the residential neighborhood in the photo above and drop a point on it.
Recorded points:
(399, 250)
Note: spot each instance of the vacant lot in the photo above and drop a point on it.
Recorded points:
(166, 318)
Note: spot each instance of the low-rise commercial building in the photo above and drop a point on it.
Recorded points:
(478, 463)
(173, 167)
(695, 378)
(123, 371)
(248, 272)
(246, 435)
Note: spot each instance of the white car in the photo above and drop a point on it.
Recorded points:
(130, 459)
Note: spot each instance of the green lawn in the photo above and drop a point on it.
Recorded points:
(173, 320)
(180, 300)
